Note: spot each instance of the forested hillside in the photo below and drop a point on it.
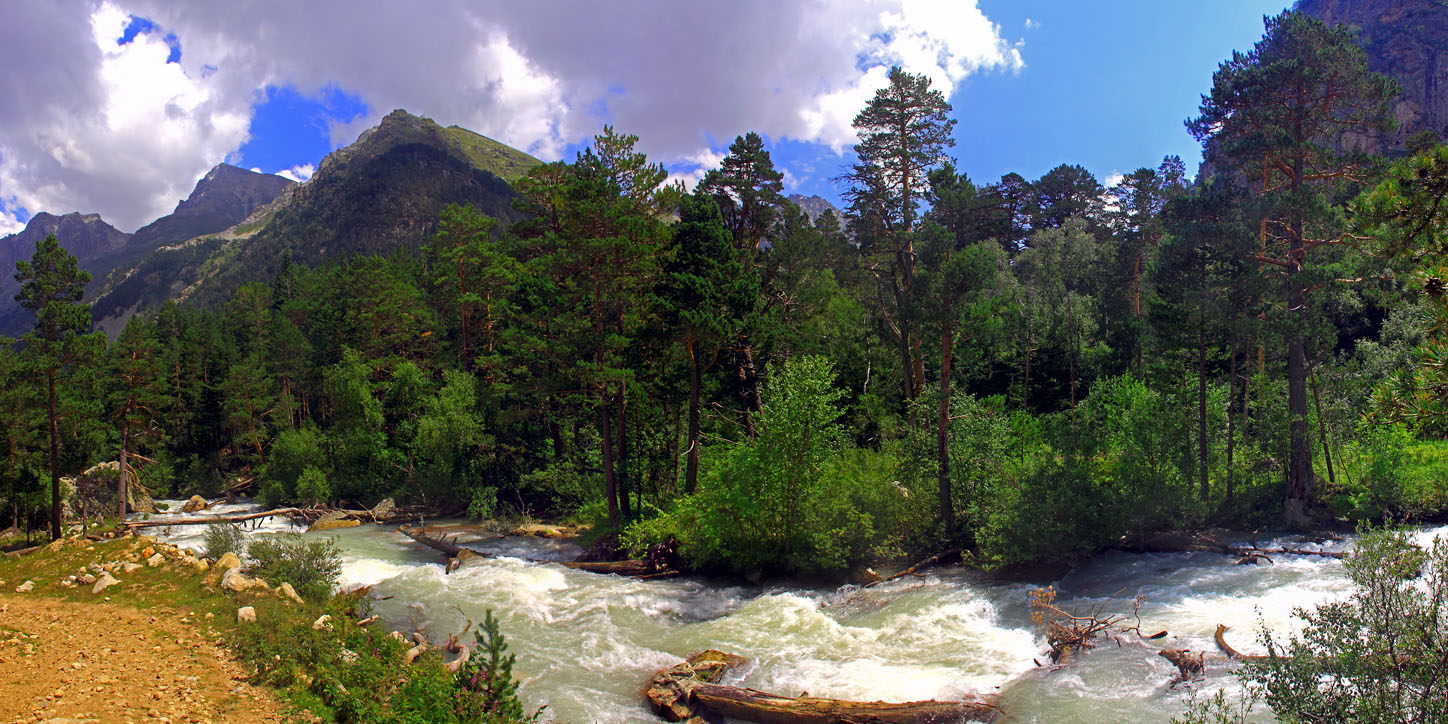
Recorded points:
(1023, 369)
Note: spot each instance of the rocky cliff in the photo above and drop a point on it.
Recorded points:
(1406, 40)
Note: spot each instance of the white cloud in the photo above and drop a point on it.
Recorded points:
(9, 223)
(298, 173)
(127, 135)
(90, 125)
(1032, 24)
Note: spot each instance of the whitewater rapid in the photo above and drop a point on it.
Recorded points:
(587, 643)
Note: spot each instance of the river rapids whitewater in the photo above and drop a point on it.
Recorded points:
(587, 643)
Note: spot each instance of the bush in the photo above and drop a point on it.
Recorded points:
(793, 500)
(312, 487)
(311, 566)
(483, 504)
(223, 538)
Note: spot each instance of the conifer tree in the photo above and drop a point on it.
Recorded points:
(1276, 116)
(904, 131)
(52, 286)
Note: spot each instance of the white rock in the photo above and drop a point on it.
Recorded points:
(246, 614)
(286, 591)
(233, 580)
(106, 581)
(129, 567)
(226, 562)
(25, 587)
(324, 622)
(87, 579)
(155, 560)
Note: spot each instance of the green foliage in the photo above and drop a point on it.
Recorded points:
(354, 674)
(1374, 657)
(790, 501)
(483, 504)
(1390, 475)
(223, 538)
(312, 487)
(311, 565)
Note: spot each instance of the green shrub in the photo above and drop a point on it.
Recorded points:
(273, 494)
(310, 565)
(484, 503)
(793, 500)
(312, 487)
(223, 538)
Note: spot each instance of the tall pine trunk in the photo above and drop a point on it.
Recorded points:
(942, 437)
(123, 482)
(54, 458)
(1298, 494)
(622, 476)
(610, 484)
(1322, 428)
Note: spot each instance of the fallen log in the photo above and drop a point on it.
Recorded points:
(631, 567)
(689, 692)
(206, 520)
(1231, 652)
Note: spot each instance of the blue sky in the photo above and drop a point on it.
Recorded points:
(129, 102)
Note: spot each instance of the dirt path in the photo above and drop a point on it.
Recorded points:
(68, 663)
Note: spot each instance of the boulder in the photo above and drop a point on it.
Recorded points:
(86, 578)
(236, 582)
(129, 567)
(246, 614)
(105, 581)
(197, 564)
(226, 562)
(286, 591)
(540, 530)
(25, 587)
(324, 524)
(155, 559)
(195, 504)
(324, 622)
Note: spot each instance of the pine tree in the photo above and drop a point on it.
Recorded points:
(904, 131)
(52, 285)
(136, 381)
(1276, 116)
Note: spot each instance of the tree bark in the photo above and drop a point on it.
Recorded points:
(622, 475)
(123, 483)
(610, 488)
(54, 458)
(942, 431)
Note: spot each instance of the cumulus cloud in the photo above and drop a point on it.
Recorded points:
(298, 173)
(89, 124)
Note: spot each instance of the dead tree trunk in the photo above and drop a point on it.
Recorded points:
(689, 692)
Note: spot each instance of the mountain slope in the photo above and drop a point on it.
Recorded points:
(383, 192)
(223, 197)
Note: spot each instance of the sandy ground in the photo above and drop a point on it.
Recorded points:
(68, 663)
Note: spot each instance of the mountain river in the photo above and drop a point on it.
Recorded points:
(586, 643)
